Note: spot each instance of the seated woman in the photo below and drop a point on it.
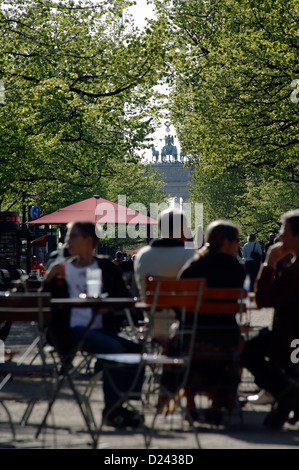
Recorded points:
(67, 327)
(217, 262)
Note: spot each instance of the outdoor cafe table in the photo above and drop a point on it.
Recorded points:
(95, 302)
(99, 305)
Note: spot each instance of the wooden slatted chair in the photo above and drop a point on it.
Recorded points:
(163, 294)
(170, 299)
(216, 303)
(219, 341)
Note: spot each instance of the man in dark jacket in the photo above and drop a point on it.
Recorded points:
(269, 355)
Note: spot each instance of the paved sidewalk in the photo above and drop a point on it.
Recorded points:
(65, 428)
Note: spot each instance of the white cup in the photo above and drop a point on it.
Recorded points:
(93, 282)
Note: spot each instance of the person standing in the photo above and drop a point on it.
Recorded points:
(252, 265)
(118, 258)
(270, 242)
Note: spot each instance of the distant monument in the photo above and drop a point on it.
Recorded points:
(169, 150)
(171, 166)
(155, 154)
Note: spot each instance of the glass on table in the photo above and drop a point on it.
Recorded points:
(94, 282)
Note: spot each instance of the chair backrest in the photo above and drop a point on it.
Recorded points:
(164, 292)
(224, 300)
(170, 298)
(34, 307)
(168, 292)
(194, 340)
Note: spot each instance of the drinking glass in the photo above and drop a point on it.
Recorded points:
(94, 282)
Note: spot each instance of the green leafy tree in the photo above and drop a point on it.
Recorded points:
(249, 198)
(136, 186)
(232, 102)
(236, 63)
(78, 87)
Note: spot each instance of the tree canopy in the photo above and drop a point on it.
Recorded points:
(81, 100)
(235, 66)
(78, 97)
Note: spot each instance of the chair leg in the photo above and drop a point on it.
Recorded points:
(9, 419)
(81, 401)
(51, 403)
(87, 413)
(176, 403)
(33, 401)
(28, 411)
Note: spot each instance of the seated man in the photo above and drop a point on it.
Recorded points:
(67, 327)
(268, 355)
(164, 256)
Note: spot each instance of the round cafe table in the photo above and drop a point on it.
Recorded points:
(95, 302)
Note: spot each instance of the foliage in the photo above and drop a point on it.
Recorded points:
(78, 88)
(234, 64)
(136, 186)
(235, 81)
(248, 198)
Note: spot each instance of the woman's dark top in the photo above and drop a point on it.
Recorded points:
(220, 270)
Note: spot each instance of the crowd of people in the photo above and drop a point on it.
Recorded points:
(274, 277)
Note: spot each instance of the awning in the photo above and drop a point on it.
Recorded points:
(95, 209)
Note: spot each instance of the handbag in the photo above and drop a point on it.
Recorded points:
(255, 255)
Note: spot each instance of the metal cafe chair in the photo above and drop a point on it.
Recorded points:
(220, 304)
(162, 294)
(34, 308)
(69, 368)
(171, 368)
